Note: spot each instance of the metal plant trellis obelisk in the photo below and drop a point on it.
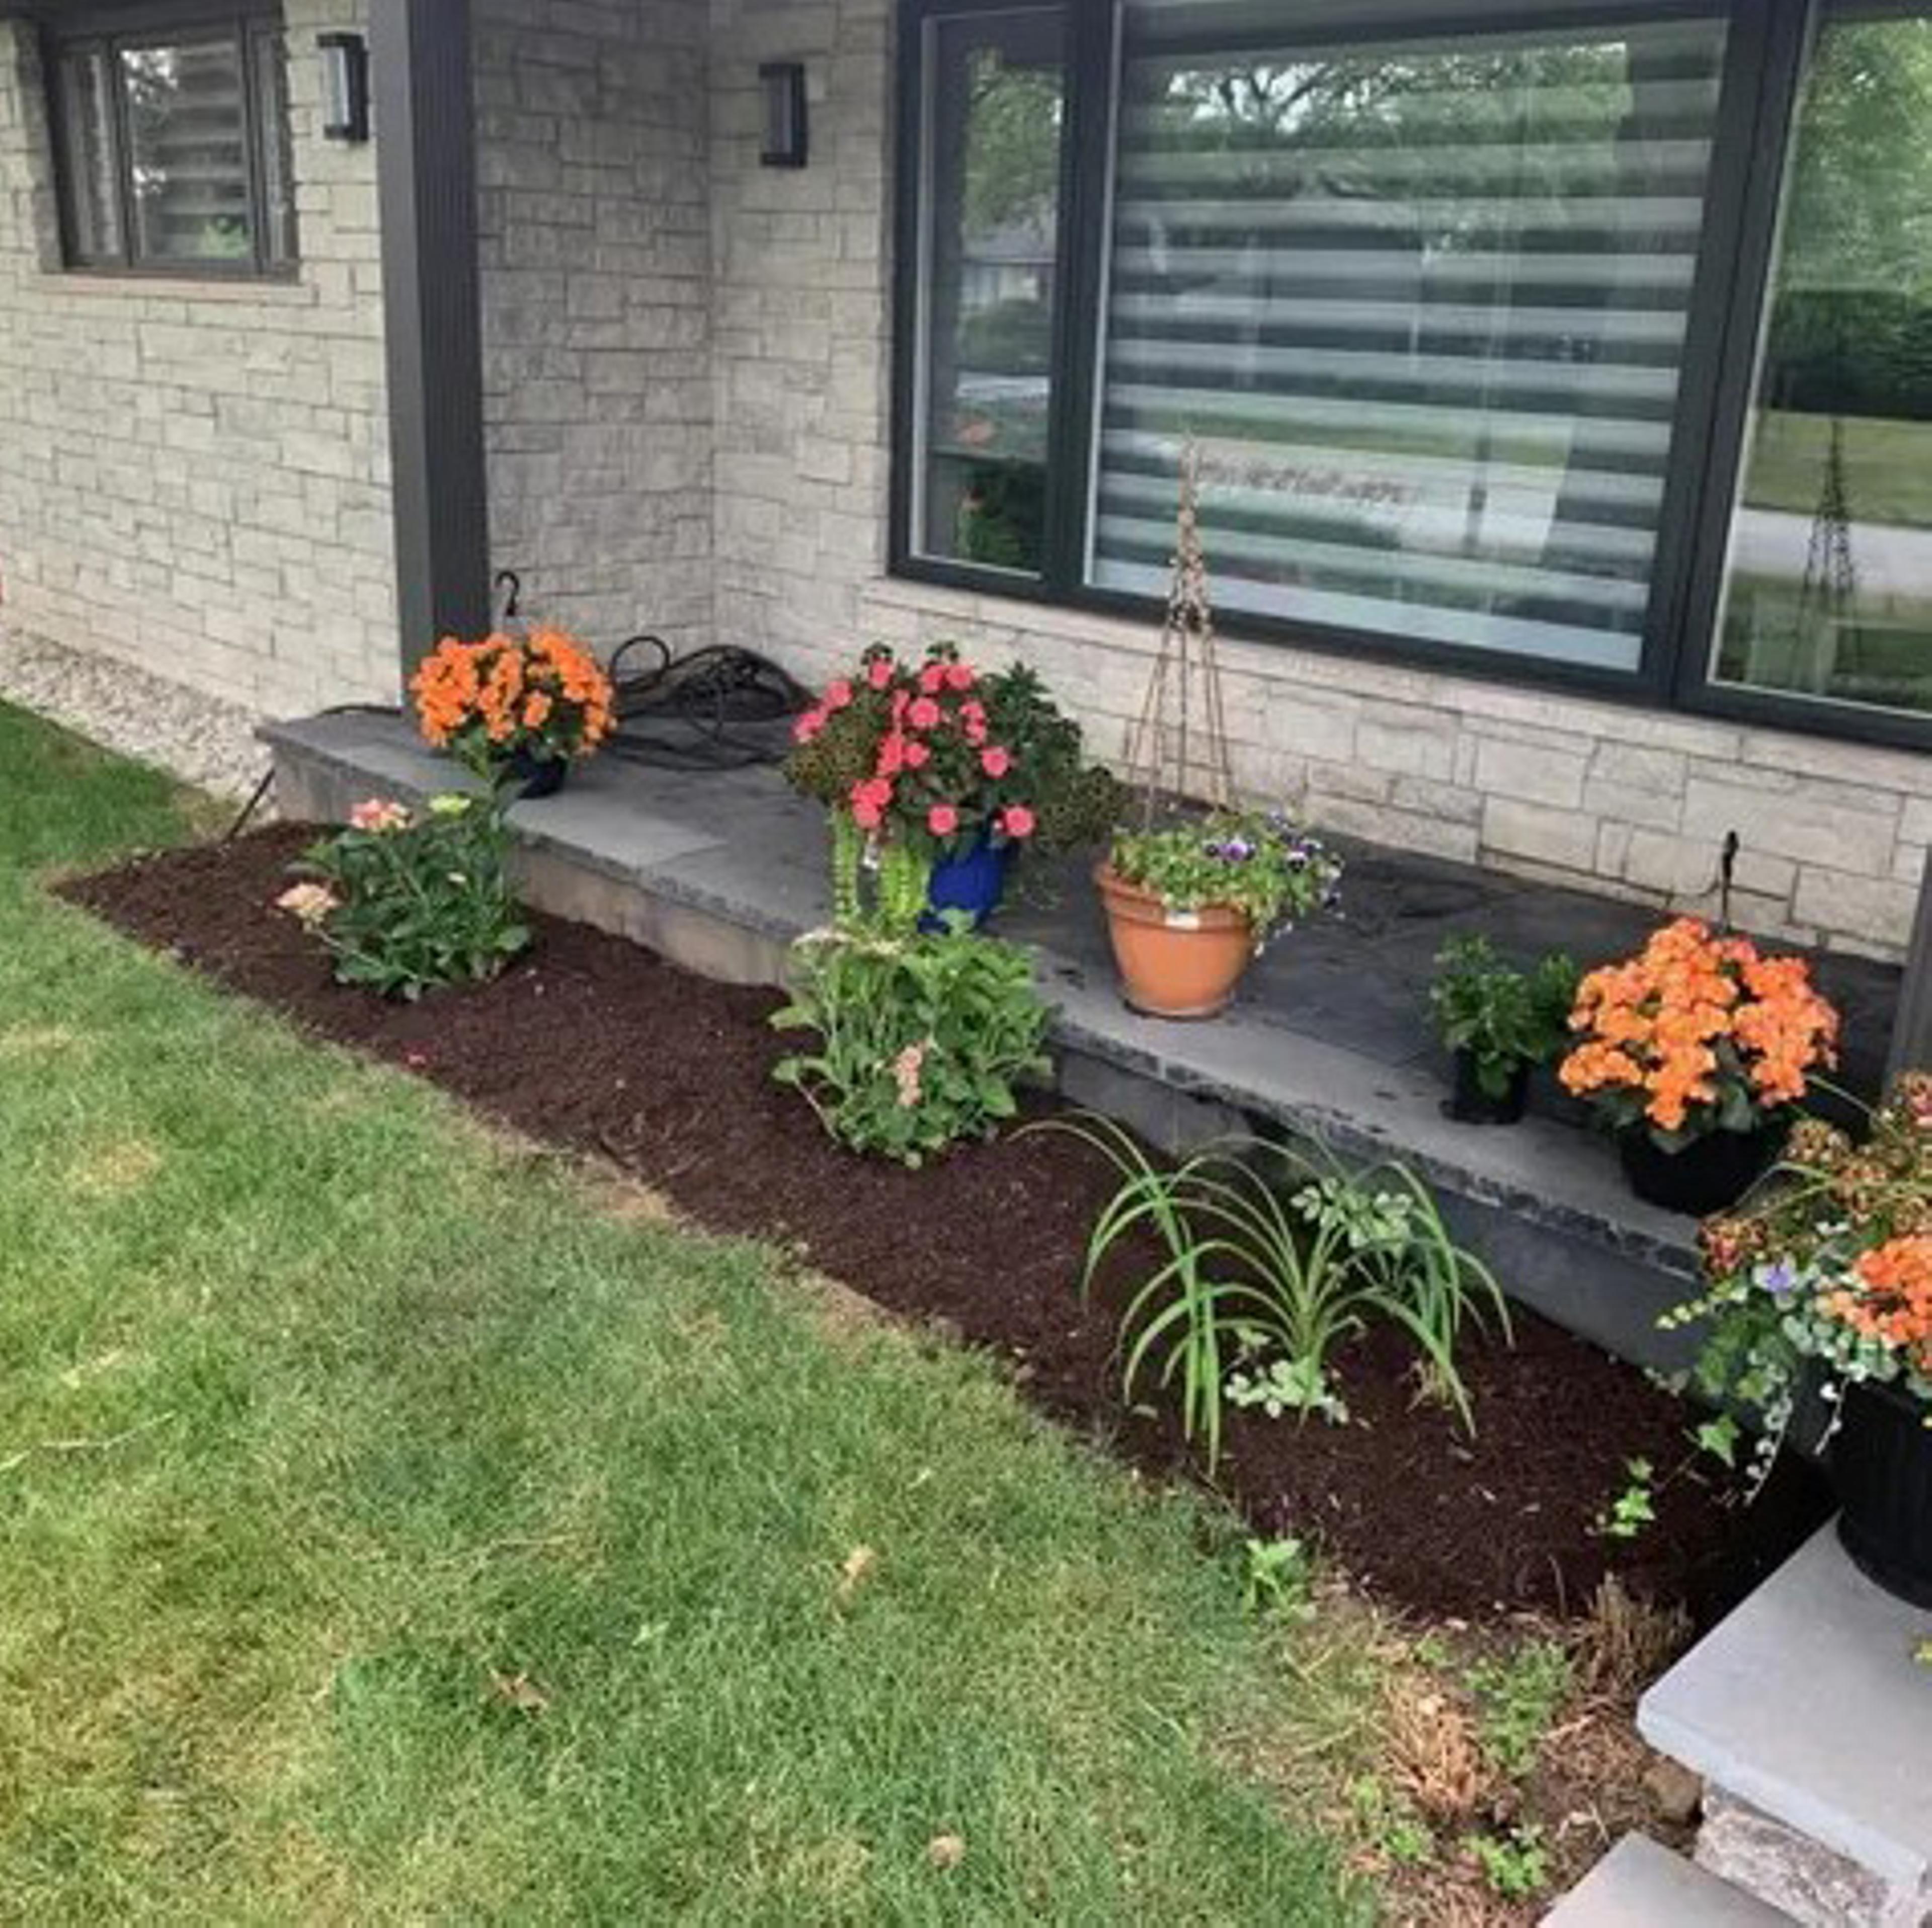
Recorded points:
(1177, 750)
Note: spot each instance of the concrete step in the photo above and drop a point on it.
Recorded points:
(1640, 1884)
(1808, 1715)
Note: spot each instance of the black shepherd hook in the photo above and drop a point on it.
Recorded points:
(1727, 865)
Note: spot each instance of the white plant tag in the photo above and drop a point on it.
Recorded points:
(1184, 920)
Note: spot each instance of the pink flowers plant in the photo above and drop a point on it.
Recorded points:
(906, 754)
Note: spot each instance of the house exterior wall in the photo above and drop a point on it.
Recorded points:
(194, 476)
(1588, 793)
(594, 225)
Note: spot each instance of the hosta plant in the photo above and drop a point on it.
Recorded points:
(406, 903)
(919, 1040)
(1269, 1260)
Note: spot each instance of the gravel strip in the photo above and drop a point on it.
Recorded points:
(203, 740)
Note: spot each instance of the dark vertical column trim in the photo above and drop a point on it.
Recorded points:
(1912, 1029)
(426, 162)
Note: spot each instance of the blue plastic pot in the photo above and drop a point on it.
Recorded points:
(974, 881)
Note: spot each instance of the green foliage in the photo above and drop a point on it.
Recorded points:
(1258, 863)
(1267, 1253)
(1390, 1821)
(920, 1039)
(1003, 515)
(1517, 1699)
(1515, 1865)
(1280, 1576)
(1504, 1017)
(416, 903)
(1779, 1272)
(1634, 1508)
(1075, 802)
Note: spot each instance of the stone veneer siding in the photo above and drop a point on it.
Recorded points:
(1584, 793)
(194, 475)
(594, 267)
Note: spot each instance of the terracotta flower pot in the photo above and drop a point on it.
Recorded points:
(1173, 964)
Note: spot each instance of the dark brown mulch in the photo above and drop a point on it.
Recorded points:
(593, 1043)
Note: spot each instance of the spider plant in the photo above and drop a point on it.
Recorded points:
(1283, 1255)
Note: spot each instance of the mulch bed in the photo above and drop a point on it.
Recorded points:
(594, 1044)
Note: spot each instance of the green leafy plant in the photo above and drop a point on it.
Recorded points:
(1827, 1272)
(1075, 802)
(1258, 863)
(1517, 1697)
(1634, 1508)
(1280, 1576)
(921, 1039)
(1515, 1865)
(1503, 1017)
(1267, 1253)
(408, 903)
(1394, 1829)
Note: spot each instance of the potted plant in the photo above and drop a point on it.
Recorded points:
(1824, 1288)
(519, 708)
(1696, 1052)
(909, 766)
(1499, 1023)
(1189, 904)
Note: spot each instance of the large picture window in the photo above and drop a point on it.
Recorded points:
(1420, 304)
(171, 143)
(1465, 312)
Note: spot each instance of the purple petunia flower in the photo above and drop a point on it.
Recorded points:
(1779, 1280)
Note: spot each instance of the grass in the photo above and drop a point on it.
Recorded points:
(391, 1528)
(1888, 466)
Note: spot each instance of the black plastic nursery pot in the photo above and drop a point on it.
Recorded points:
(1710, 1174)
(539, 776)
(1882, 1468)
(1469, 1104)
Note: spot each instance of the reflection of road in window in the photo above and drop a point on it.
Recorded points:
(1829, 589)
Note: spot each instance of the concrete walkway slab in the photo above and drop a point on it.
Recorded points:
(1641, 1883)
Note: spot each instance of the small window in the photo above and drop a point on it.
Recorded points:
(1828, 590)
(171, 145)
(990, 203)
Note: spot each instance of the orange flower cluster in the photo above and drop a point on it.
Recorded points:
(1892, 1301)
(506, 693)
(1692, 1013)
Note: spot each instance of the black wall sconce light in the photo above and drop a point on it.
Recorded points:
(782, 84)
(345, 86)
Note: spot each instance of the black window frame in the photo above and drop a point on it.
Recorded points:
(247, 24)
(1767, 46)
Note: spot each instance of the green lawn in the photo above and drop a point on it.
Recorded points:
(1888, 466)
(392, 1531)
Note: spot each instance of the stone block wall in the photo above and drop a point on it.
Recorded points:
(193, 475)
(595, 260)
(800, 349)
(1593, 794)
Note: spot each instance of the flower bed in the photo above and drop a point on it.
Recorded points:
(679, 1091)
